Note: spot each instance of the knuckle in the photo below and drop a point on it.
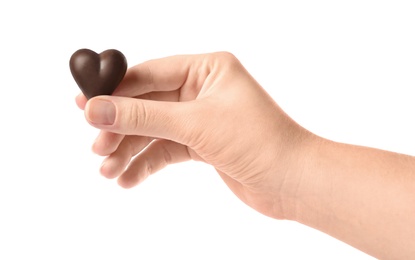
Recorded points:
(138, 116)
(144, 117)
(225, 57)
(134, 117)
(223, 62)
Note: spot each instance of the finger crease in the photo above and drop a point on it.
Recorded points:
(149, 167)
(167, 156)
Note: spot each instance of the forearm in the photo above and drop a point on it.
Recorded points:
(362, 196)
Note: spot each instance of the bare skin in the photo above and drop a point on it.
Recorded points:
(209, 108)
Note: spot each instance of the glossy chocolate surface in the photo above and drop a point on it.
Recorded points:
(98, 74)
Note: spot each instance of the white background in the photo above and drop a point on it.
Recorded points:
(342, 69)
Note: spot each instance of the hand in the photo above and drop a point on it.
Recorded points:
(208, 108)
(200, 107)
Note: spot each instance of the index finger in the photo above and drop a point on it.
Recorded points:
(164, 74)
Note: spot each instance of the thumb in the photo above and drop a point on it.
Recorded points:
(131, 116)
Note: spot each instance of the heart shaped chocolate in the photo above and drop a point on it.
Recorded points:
(98, 74)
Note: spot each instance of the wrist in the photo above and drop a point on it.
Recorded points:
(299, 190)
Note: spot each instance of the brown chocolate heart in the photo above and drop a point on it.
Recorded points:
(98, 74)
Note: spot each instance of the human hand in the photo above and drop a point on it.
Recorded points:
(201, 107)
(208, 108)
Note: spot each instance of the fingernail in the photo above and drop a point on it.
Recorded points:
(101, 112)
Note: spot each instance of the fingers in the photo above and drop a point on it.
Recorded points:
(170, 96)
(81, 101)
(114, 165)
(106, 143)
(165, 74)
(157, 155)
(129, 116)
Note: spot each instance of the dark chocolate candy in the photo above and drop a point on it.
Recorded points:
(98, 74)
